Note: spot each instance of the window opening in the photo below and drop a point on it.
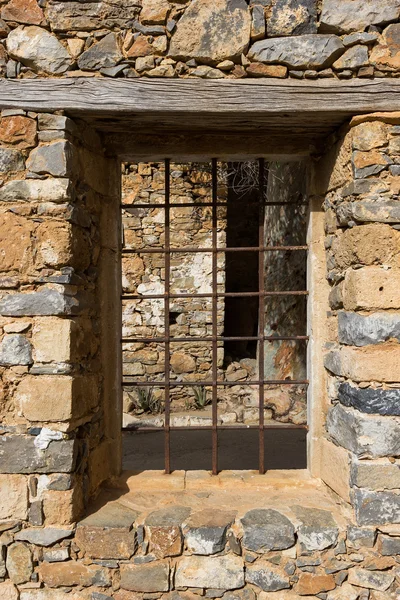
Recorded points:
(202, 244)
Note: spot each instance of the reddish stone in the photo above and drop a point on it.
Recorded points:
(165, 541)
(140, 47)
(71, 573)
(18, 131)
(238, 72)
(261, 70)
(310, 584)
(4, 29)
(23, 11)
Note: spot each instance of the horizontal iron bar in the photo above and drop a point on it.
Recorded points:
(210, 427)
(270, 338)
(138, 383)
(217, 294)
(202, 204)
(210, 250)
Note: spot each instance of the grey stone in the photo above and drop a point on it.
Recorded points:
(335, 565)
(381, 212)
(43, 536)
(257, 22)
(318, 529)
(362, 330)
(364, 435)
(265, 576)
(267, 529)
(375, 475)
(111, 516)
(165, 517)
(148, 29)
(356, 15)
(292, 17)
(57, 159)
(18, 454)
(113, 71)
(60, 482)
(11, 160)
(34, 190)
(371, 170)
(57, 122)
(376, 508)
(372, 580)
(244, 594)
(205, 532)
(150, 577)
(212, 32)
(46, 302)
(364, 186)
(56, 555)
(220, 572)
(38, 49)
(369, 400)
(99, 596)
(360, 537)
(15, 349)
(388, 546)
(36, 513)
(105, 53)
(354, 58)
(360, 38)
(301, 52)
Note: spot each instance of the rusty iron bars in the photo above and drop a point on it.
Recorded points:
(262, 293)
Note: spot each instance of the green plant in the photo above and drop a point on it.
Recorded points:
(146, 401)
(200, 397)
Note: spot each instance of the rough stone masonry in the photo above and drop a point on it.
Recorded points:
(58, 241)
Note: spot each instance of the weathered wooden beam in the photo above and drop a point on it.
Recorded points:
(189, 146)
(101, 96)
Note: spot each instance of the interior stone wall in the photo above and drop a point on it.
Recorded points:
(299, 39)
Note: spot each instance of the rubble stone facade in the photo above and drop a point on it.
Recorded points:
(59, 346)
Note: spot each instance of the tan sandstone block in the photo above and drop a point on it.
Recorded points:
(62, 507)
(8, 591)
(367, 136)
(15, 243)
(18, 131)
(371, 244)
(71, 573)
(51, 339)
(370, 288)
(61, 244)
(335, 468)
(312, 583)
(51, 398)
(13, 497)
(371, 363)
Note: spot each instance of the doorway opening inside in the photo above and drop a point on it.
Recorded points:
(214, 330)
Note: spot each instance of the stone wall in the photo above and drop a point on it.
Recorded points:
(229, 38)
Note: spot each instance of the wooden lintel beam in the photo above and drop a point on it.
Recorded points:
(198, 147)
(121, 97)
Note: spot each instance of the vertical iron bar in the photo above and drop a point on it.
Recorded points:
(261, 311)
(167, 263)
(214, 319)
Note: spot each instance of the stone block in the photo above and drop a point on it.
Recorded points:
(56, 554)
(369, 400)
(335, 467)
(318, 529)
(371, 244)
(46, 536)
(18, 131)
(164, 517)
(18, 454)
(51, 339)
(388, 546)
(310, 584)
(219, 572)
(15, 349)
(371, 288)
(369, 363)
(11, 161)
(373, 580)
(375, 475)
(63, 507)
(368, 136)
(8, 591)
(19, 563)
(58, 159)
(378, 212)
(354, 58)
(51, 398)
(376, 508)
(165, 541)
(37, 190)
(72, 573)
(292, 17)
(360, 330)
(61, 244)
(364, 435)
(360, 537)
(38, 49)
(104, 54)
(14, 497)
(344, 592)
(150, 577)
(16, 250)
(48, 594)
(267, 529)
(205, 532)
(46, 302)
(212, 33)
(267, 577)
(357, 15)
